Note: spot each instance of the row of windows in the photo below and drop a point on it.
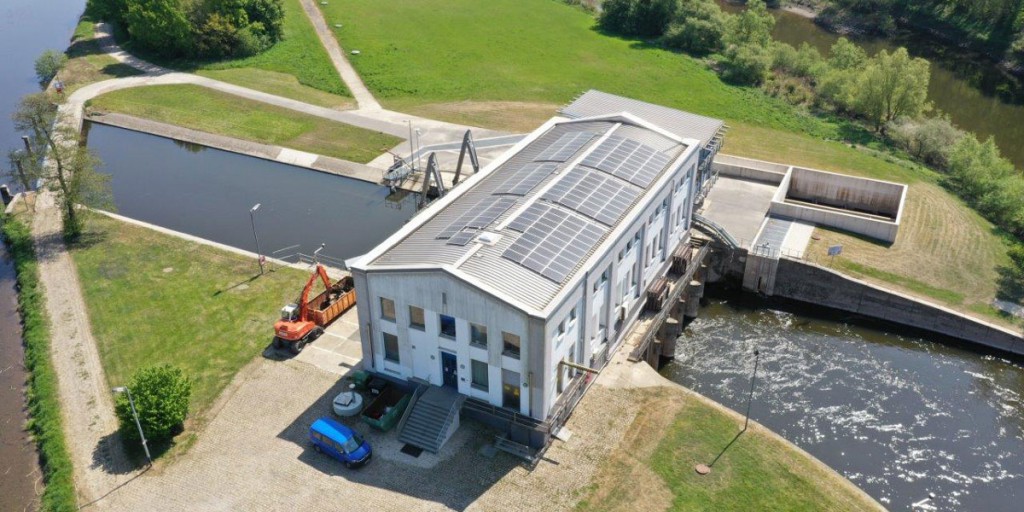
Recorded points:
(449, 329)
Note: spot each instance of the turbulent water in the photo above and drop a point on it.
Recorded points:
(900, 416)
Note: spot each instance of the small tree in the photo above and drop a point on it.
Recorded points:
(48, 65)
(160, 25)
(69, 168)
(891, 86)
(752, 26)
(699, 28)
(161, 395)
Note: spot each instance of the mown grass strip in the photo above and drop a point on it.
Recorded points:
(43, 395)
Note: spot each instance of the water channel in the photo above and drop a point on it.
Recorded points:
(27, 27)
(975, 94)
(899, 415)
(208, 193)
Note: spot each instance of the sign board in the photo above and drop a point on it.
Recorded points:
(835, 250)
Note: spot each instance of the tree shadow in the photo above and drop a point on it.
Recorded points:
(1010, 284)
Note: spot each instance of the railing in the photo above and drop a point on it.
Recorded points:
(716, 230)
(659, 318)
(501, 412)
(420, 389)
(453, 410)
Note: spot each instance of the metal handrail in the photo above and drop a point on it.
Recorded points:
(408, 409)
(448, 420)
(716, 230)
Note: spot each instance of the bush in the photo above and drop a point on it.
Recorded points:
(637, 18)
(746, 64)
(160, 26)
(699, 28)
(48, 65)
(988, 182)
(161, 395)
(928, 139)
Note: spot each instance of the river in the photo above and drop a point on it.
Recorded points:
(27, 27)
(208, 193)
(975, 94)
(899, 415)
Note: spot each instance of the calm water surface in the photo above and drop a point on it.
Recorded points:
(207, 193)
(900, 416)
(975, 94)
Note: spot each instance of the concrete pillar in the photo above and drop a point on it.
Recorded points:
(669, 334)
(693, 295)
(654, 354)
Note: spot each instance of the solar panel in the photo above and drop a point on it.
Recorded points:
(553, 242)
(480, 216)
(628, 159)
(593, 194)
(524, 179)
(463, 237)
(565, 147)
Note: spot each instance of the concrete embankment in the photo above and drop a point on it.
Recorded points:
(810, 283)
(280, 154)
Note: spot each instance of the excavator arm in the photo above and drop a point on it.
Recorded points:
(320, 272)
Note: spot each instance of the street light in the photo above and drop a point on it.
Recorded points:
(252, 218)
(750, 398)
(135, 414)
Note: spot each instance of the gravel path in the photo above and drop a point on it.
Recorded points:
(364, 98)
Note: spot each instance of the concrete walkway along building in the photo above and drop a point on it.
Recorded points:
(536, 266)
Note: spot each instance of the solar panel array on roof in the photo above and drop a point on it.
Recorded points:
(565, 147)
(628, 159)
(522, 180)
(463, 237)
(600, 197)
(480, 216)
(553, 242)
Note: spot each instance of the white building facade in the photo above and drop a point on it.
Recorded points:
(541, 258)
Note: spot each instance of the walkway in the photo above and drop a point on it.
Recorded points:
(355, 84)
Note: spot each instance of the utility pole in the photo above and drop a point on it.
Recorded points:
(750, 398)
(252, 218)
(135, 414)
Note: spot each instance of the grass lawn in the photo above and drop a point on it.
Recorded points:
(153, 298)
(652, 469)
(87, 63)
(211, 111)
(434, 58)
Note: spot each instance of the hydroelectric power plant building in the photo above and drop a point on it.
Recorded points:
(537, 265)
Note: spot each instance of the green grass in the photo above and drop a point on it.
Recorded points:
(211, 111)
(653, 467)
(298, 54)
(279, 84)
(43, 394)
(946, 296)
(209, 315)
(86, 61)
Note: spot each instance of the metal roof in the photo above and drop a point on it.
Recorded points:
(681, 124)
(424, 243)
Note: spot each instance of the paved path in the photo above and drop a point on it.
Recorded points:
(363, 97)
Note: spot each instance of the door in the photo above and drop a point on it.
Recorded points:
(449, 369)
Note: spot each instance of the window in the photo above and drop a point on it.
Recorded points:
(387, 309)
(572, 315)
(447, 326)
(416, 318)
(510, 390)
(391, 348)
(510, 344)
(479, 374)
(561, 327)
(478, 335)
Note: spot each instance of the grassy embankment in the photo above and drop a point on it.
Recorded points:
(212, 111)
(154, 298)
(43, 395)
(653, 466)
(86, 61)
(433, 58)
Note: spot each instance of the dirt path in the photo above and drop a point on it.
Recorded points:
(90, 426)
(364, 98)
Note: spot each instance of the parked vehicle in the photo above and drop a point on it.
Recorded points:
(384, 411)
(304, 321)
(338, 441)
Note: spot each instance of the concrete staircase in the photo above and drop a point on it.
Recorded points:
(433, 418)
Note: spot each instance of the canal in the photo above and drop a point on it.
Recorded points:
(208, 193)
(899, 415)
(27, 28)
(976, 95)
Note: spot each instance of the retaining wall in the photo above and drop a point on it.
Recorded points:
(749, 169)
(805, 282)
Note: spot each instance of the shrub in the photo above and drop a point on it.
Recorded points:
(161, 395)
(699, 28)
(929, 139)
(746, 64)
(160, 26)
(637, 18)
(753, 26)
(804, 63)
(48, 65)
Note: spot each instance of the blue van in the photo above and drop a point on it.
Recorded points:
(338, 441)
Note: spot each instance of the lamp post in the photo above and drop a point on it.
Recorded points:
(135, 414)
(252, 218)
(750, 398)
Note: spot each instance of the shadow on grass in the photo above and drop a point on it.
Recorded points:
(1011, 284)
(236, 285)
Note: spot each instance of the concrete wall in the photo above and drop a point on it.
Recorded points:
(848, 192)
(874, 228)
(817, 285)
(749, 169)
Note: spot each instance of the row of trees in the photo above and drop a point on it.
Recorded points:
(202, 29)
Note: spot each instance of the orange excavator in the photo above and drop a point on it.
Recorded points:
(304, 322)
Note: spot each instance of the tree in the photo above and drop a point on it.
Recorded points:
(637, 18)
(159, 25)
(752, 26)
(69, 168)
(161, 394)
(48, 65)
(746, 64)
(838, 83)
(699, 28)
(892, 85)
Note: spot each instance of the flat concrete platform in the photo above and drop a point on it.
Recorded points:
(339, 349)
(739, 206)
